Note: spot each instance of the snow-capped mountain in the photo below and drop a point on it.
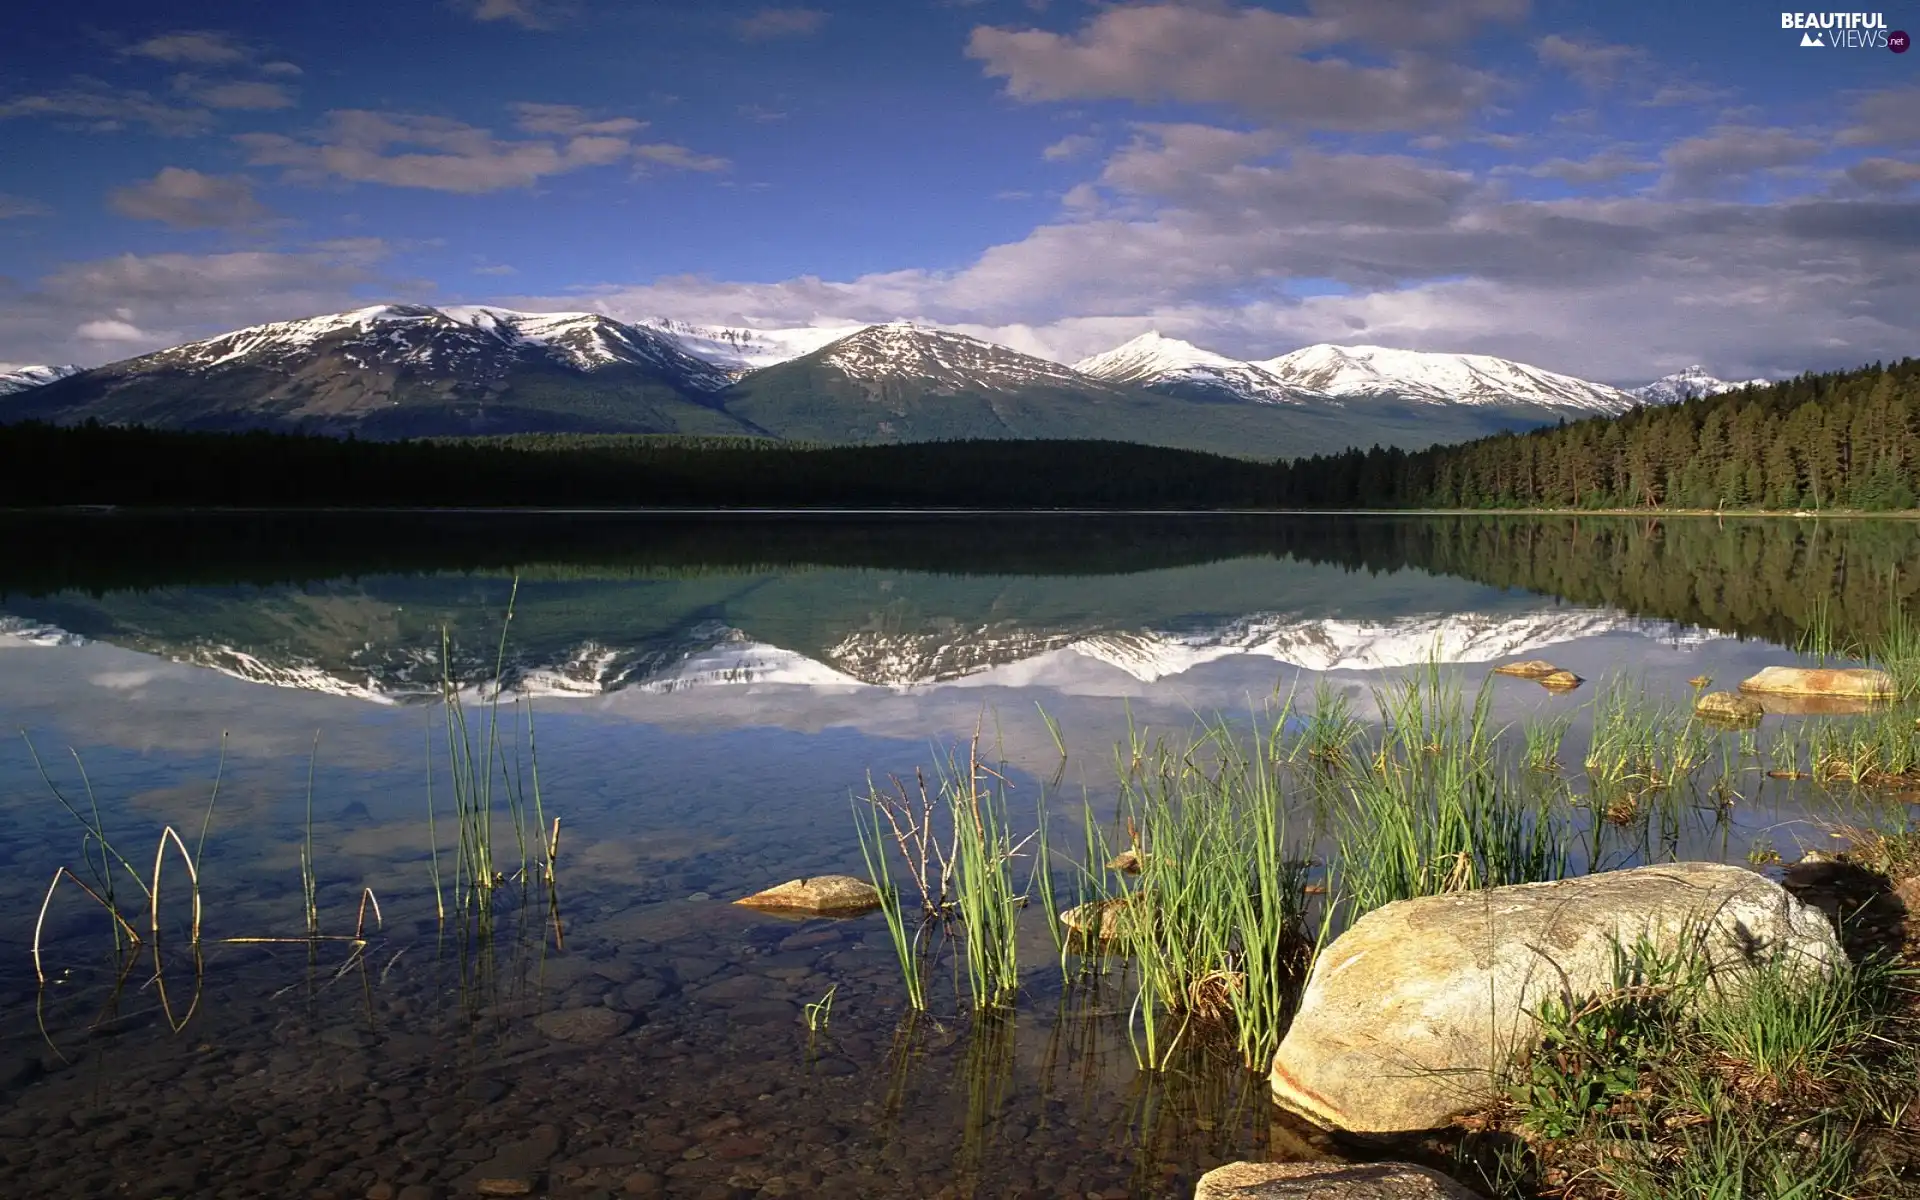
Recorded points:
(1333, 375)
(22, 378)
(739, 349)
(472, 343)
(1348, 372)
(954, 361)
(1171, 365)
(1688, 384)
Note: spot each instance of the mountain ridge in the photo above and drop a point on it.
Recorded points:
(404, 370)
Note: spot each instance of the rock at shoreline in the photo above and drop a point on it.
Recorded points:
(1861, 683)
(820, 896)
(1412, 1015)
(1560, 681)
(1534, 668)
(1327, 1181)
(1730, 707)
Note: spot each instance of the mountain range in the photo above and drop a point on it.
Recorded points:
(410, 370)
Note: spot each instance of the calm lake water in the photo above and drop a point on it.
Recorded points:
(710, 696)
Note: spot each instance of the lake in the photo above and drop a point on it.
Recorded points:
(703, 702)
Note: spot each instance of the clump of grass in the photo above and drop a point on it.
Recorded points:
(1785, 1081)
(1545, 735)
(1876, 749)
(1331, 728)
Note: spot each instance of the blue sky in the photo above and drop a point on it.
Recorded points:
(1612, 190)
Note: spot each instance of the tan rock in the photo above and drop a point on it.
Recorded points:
(1413, 1015)
(1560, 681)
(822, 895)
(1731, 707)
(1327, 1181)
(1128, 862)
(1103, 920)
(1534, 668)
(1867, 683)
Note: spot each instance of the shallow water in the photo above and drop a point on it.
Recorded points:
(708, 698)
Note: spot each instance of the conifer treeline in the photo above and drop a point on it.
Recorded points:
(1842, 440)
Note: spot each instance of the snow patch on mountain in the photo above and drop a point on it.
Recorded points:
(742, 349)
(1358, 371)
(21, 378)
(1688, 384)
(21, 631)
(1153, 359)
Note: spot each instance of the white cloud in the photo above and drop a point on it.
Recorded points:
(21, 206)
(1074, 145)
(440, 154)
(1595, 64)
(254, 94)
(203, 47)
(1275, 66)
(770, 23)
(186, 199)
(118, 331)
(98, 108)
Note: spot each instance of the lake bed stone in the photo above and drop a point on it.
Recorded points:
(586, 1025)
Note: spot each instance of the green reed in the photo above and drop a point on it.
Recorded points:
(985, 898)
(1545, 736)
(1895, 649)
(906, 943)
(1215, 925)
(1435, 809)
(1331, 728)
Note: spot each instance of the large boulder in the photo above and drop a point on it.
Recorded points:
(1414, 1014)
(820, 896)
(1327, 1181)
(1866, 683)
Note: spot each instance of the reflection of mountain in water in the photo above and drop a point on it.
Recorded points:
(820, 628)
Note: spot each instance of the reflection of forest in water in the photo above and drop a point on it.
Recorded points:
(1759, 577)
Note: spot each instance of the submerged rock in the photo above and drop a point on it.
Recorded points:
(1327, 1181)
(1731, 707)
(1867, 683)
(595, 1023)
(1560, 681)
(1413, 1015)
(822, 896)
(1533, 668)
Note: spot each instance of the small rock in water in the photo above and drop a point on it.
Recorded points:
(822, 895)
(1101, 919)
(699, 896)
(1730, 707)
(1327, 1181)
(1533, 668)
(1560, 681)
(587, 1024)
(504, 1187)
(1128, 861)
